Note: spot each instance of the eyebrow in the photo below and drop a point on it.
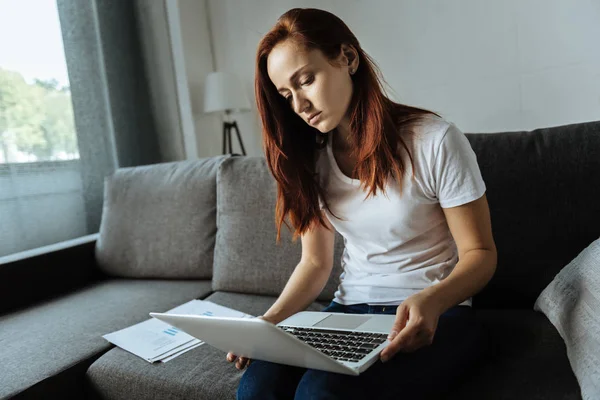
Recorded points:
(294, 77)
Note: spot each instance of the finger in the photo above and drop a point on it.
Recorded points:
(403, 339)
(413, 347)
(423, 338)
(241, 362)
(244, 364)
(399, 323)
(231, 357)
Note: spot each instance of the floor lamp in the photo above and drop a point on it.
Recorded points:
(224, 93)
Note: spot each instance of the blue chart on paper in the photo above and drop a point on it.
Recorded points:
(171, 331)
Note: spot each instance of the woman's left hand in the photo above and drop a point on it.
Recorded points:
(415, 325)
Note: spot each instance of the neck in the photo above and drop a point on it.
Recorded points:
(342, 135)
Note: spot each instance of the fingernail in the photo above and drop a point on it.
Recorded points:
(392, 335)
(384, 358)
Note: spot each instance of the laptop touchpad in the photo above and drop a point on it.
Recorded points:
(343, 321)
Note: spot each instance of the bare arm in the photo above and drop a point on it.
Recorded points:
(306, 282)
(309, 277)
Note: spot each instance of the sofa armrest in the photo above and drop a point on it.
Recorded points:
(34, 275)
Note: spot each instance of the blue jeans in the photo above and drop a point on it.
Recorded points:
(459, 343)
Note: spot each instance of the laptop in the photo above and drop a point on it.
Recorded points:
(336, 342)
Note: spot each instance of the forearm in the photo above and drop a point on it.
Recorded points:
(472, 272)
(304, 286)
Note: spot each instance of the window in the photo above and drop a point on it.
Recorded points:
(37, 116)
(54, 157)
(41, 199)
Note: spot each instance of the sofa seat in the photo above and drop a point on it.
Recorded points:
(527, 360)
(201, 373)
(46, 349)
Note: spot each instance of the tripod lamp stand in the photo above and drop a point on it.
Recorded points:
(227, 128)
(224, 93)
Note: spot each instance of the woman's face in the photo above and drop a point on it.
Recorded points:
(311, 85)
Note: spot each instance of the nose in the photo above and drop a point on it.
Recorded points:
(301, 104)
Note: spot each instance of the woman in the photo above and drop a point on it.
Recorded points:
(400, 184)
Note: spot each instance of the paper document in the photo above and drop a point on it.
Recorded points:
(155, 340)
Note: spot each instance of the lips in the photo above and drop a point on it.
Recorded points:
(310, 119)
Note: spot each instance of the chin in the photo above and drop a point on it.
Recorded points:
(325, 126)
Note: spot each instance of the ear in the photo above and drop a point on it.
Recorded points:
(349, 57)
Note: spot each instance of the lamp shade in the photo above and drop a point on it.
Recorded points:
(223, 91)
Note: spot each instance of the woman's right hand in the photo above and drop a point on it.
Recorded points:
(243, 362)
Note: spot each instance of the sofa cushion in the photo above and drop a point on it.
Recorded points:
(158, 221)
(201, 373)
(527, 360)
(45, 349)
(247, 257)
(542, 189)
(571, 302)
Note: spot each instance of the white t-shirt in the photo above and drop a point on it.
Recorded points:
(396, 245)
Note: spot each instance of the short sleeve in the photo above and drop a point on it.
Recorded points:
(456, 173)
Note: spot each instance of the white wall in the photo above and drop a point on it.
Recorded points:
(486, 65)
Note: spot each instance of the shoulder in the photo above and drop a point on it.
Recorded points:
(425, 136)
(430, 130)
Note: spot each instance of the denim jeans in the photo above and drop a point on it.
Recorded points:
(459, 343)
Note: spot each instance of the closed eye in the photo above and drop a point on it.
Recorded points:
(309, 79)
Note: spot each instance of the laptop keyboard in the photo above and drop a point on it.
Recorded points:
(340, 345)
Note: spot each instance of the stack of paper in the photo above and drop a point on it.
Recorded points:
(155, 340)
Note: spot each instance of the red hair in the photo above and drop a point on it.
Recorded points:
(290, 144)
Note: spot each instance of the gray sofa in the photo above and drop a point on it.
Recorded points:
(204, 229)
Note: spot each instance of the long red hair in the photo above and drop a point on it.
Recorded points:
(290, 144)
